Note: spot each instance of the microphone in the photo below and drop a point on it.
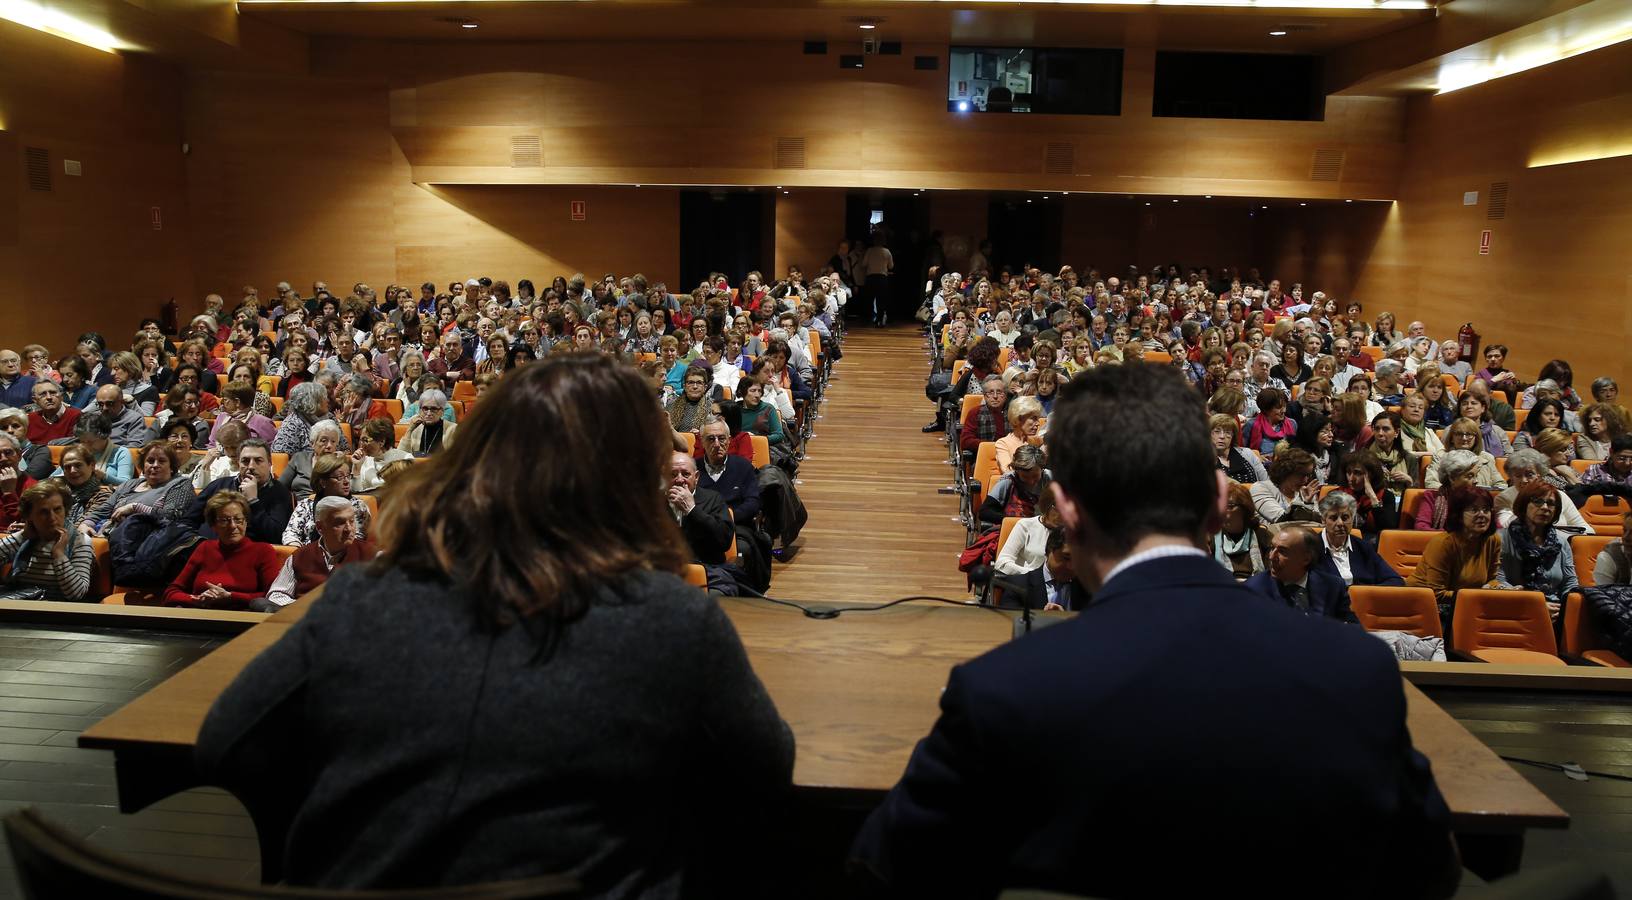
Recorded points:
(988, 577)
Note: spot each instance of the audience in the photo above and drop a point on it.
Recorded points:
(268, 503)
(1535, 555)
(1028, 540)
(330, 477)
(1465, 555)
(1241, 543)
(160, 489)
(337, 540)
(1614, 564)
(1343, 553)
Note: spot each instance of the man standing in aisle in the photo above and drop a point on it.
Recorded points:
(1194, 738)
(880, 265)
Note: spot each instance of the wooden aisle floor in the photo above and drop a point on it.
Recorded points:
(878, 530)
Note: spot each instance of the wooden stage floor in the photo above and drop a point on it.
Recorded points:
(878, 530)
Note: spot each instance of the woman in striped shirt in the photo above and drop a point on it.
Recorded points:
(48, 559)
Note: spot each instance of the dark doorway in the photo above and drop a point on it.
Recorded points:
(1025, 231)
(722, 231)
(901, 220)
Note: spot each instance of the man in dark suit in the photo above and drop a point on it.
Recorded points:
(1192, 738)
(1295, 579)
(732, 477)
(700, 512)
(1054, 584)
(270, 504)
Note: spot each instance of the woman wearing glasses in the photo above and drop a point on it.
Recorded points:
(231, 571)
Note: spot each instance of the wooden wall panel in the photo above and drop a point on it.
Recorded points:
(808, 227)
(1558, 280)
(656, 117)
(84, 255)
(291, 181)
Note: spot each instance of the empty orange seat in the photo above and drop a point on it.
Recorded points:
(1606, 515)
(1409, 502)
(1511, 627)
(762, 451)
(1585, 549)
(1382, 608)
(1582, 639)
(1403, 549)
(985, 469)
(1519, 415)
(464, 390)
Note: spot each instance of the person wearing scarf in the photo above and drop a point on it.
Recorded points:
(1242, 543)
(1535, 555)
(1271, 425)
(689, 411)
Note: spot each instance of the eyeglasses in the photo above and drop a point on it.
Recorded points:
(717, 438)
(230, 521)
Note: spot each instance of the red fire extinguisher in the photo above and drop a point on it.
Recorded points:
(1469, 339)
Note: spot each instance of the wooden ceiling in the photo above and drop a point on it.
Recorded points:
(1242, 29)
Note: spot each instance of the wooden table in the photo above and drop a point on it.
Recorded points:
(859, 692)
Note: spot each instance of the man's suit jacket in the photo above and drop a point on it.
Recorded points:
(1328, 595)
(1365, 565)
(1178, 737)
(268, 515)
(1072, 596)
(738, 485)
(708, 528)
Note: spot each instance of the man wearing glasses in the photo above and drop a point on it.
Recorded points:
(13, 480)
(16, 389)
(51, 419)
(728, 475)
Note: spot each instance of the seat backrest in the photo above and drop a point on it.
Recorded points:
(1003, 533)
(696, 576)
(1375, 353)
(958, 366)
(1157, 358)
(101, 569)
(394, 407)
(1579, 634)
(1582, 465)
(277, 405)
(1402, 550)
(1519, 415)
(268, 384)
(1513, 620)
(280, 461)
(464, 390)
(985, 464)
(56, 451)
(1606, 515)
(970, 400)
(1003, 358)
(1452, 386)
(1501, 467)
(1384, 608)
(373, 504)
(1408, 506)
(1500, 396)
(691, 441)
(401, 431)
(1585, 549)
(762, 451)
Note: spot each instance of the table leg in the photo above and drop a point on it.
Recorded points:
(145, 777)
(1491, 856)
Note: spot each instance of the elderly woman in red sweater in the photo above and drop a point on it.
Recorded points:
(230, 572)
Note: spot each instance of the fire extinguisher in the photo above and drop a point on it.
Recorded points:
(1469, 339)
(169, 318)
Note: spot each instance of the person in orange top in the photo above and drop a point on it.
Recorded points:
(1467, 555)
(230, 572)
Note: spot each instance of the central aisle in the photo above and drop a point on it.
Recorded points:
(878, 530)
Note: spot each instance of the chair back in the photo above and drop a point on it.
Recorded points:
(1582, 637)
(1453, 388)
(268, 384)
(1409, 503)
(1582, 465)
(1584, 548)
(1402, 550)
(985, 470)
(1501, 467)
(1384, 608)
(1503, 620)
(1003, 533)
(56, 451)
(762, 451)
(958, 365)
(54, 862)
(280, 461)
(464, 390)
(970, 401)
(394, 409)
(696, 576)
(691, 441)
(1157, 358)
(101, 569)
(1606, 515)
(1519, 415)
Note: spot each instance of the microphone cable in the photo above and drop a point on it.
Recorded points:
(833, 612)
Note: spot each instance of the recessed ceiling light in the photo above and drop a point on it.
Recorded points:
(1208, 197)
(1263, 207)
(785, 193)
(1175, 201)
(1303, 204)
(1028, 201)
(1147, 202)
(867, 26)
(470, 23)
(1348, 201)
(1277, 34)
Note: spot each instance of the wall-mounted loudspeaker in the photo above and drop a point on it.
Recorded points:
(815, 48)
(850, 61)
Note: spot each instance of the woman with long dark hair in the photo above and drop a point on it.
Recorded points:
(567, 703)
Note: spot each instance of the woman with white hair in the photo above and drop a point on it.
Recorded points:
(1527, 465)
(331, 480)
(307, 405)
(1343, 553)
(297, 474)
(429, 431)
(1454, 467)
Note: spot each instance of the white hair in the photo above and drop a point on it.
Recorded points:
(326, 426)
(322, 508)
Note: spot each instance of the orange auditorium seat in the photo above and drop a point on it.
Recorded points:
(696, 576)
(1606, 515)
(1402, 550)
(1582, 639)
(1508, 627)
(1584, 548)
(985, 468)
(762, 451)
(1382, 608)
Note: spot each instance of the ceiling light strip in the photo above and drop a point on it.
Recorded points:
(58, 24)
